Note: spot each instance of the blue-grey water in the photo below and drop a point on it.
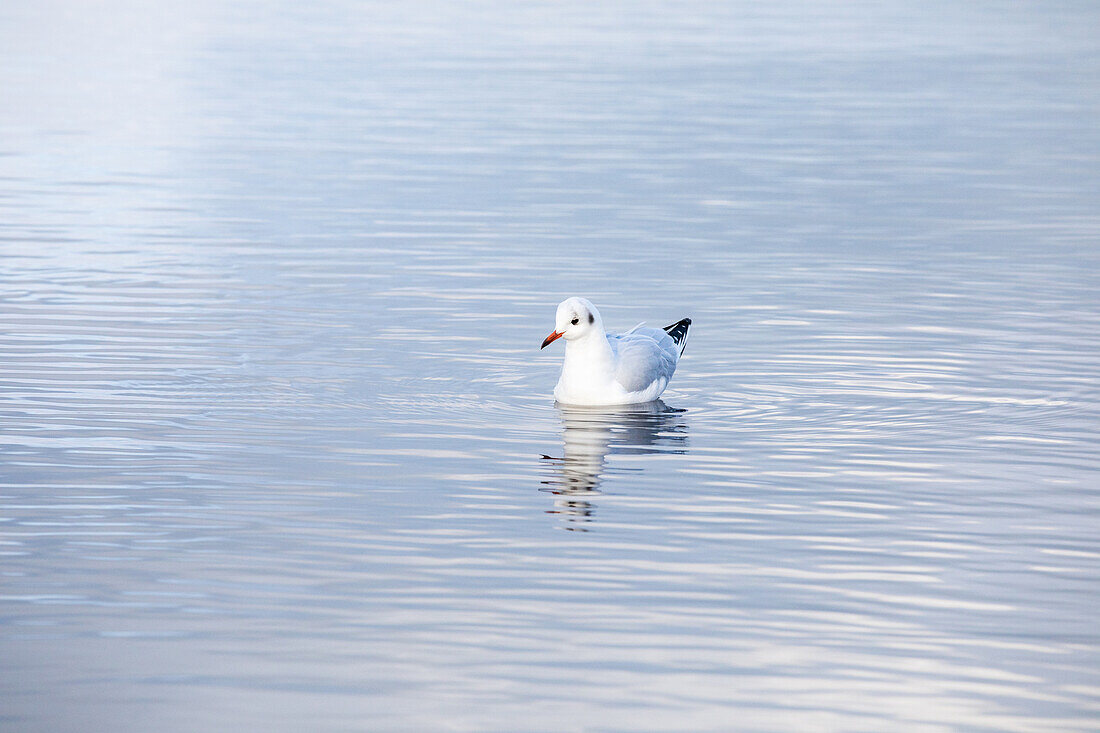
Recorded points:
(279, 450)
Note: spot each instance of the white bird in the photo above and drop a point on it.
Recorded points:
(613, 368)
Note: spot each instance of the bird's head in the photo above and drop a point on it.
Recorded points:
(576, 318)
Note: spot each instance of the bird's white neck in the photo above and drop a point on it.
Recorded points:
(590, 354)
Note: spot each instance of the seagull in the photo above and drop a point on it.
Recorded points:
(613, 368)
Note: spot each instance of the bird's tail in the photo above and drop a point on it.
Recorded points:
(679, 332)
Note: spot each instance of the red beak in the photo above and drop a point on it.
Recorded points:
(551, 338)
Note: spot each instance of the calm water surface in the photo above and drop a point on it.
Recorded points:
(279, 450)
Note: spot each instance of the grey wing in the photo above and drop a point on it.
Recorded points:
(643, 357)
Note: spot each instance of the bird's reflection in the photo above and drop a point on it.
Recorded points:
(590, 435)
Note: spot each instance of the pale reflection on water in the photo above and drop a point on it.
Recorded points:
(273, 278)
(590, 435)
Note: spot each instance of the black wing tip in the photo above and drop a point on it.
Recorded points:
(679, 331)
(680, 325)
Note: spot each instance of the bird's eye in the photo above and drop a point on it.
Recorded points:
(574, 321)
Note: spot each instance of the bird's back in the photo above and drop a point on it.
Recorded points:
(644, 356)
